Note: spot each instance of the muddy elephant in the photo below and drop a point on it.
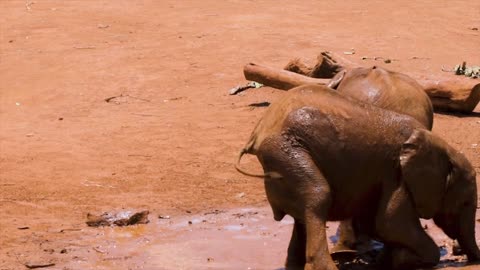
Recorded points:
(327, 156)
(388, 90)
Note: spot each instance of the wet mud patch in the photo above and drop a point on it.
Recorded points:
(246, 238)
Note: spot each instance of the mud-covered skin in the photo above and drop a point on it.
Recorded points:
(386, 89)
(333, 158)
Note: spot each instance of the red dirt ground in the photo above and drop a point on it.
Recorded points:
(168, 144)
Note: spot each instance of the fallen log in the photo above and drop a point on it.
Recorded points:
(278, 78)
(447, 94)
(455, 94)
(327, 66)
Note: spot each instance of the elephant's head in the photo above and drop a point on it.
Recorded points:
(442, 183)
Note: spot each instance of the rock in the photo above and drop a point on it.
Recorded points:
(119, 219)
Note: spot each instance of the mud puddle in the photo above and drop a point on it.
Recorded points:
(246, 238)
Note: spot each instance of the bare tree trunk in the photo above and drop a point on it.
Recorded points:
(458, 94)
(278, 78)
(450, 93)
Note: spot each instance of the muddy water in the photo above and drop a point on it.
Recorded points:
(235, 239)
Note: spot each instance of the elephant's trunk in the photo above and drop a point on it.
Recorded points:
(466, 234)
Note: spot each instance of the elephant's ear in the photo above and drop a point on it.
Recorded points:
(425, 166)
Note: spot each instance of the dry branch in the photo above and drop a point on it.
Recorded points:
(457, 94)
(278, 78)
(326, 67)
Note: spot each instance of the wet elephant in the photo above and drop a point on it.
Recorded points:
(385, 89)
(327, 156)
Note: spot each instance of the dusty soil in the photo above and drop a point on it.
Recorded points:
(168, 140)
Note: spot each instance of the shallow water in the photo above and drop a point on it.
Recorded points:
(233, 239)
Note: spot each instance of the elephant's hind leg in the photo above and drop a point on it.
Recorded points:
(399, 227)
(297, 248)
(302, 192)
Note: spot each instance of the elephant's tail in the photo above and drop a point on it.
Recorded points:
(240, 170)
(248, 149)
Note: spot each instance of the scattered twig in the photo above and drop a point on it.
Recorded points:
(23, 228)
(99, 250)
(419, 58)
(386, 60)
(28, 5)
(144, 114)
(214, 212)
(33, 266)
(84, 47)
(69, 230)
(259, 104)
(371, 58)
(138, 155)
(109, 99)
(241, 88)
(172, 99)
(88, 183)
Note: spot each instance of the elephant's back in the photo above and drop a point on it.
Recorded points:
(350, 141)
(310, 109)
(389, 90)
(273, 121)
(347, 129)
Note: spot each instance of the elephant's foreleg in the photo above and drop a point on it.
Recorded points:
(399, 227)
(297, 247)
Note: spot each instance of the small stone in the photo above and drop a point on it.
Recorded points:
(240, 195)
(163, 217)
(190, 222)
(387, 61)
(210, 259)
(49, 250)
